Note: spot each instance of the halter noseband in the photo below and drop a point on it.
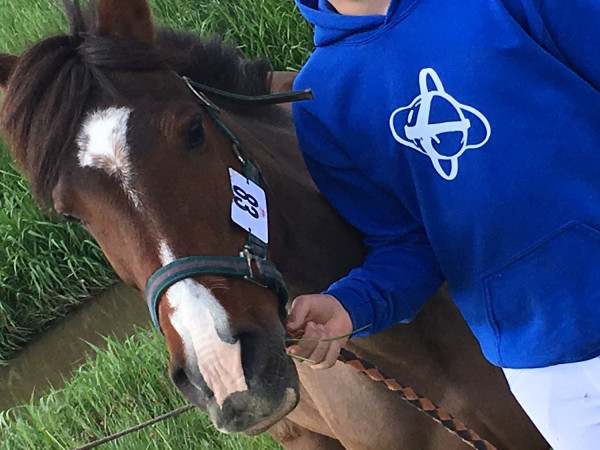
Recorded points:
(252, 263)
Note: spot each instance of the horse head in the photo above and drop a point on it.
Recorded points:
(110, 135)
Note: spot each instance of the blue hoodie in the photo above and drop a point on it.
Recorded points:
(463, 139)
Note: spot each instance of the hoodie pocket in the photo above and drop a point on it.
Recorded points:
(544, 303)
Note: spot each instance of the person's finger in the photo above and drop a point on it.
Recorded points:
(296, 351)
(331, 357)
(293, 349)
(306, 345)
(310, 340)
(299, 312)
(320, 349)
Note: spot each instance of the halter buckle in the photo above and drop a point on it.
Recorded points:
(249, 256)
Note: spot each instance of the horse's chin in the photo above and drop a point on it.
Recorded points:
(236, 425)
(287, 405)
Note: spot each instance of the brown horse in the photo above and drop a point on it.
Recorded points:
(109, 134)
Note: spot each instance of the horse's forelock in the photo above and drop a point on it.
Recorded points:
(43, 102)
(52, 87)
(59, 79)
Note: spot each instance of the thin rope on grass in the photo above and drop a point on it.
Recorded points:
(137, 427)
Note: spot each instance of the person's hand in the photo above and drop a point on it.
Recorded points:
(316, 317)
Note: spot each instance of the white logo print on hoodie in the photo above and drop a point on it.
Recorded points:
(419, 134)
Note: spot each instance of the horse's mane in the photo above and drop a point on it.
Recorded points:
(56, 80)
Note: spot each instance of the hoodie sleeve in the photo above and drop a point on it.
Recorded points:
(400, 271)
(574, 27)
(568, 30)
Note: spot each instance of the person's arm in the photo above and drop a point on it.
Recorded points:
(566, 29)
(400, 271)
(574, 27)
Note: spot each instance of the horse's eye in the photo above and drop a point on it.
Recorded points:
(70, 218)
(195, 137)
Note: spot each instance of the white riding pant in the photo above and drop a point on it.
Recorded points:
(563, 401)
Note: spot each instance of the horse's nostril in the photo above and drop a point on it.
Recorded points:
(191, 386)
(257, 349)
(180, 378)
(253, 358)
(248, 348)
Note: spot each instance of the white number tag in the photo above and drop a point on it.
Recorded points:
(249, 206)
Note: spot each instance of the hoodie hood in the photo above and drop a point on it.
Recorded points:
(331, 27)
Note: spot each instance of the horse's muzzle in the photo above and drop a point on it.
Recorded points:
(271, 393)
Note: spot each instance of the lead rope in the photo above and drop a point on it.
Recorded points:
(414, 399)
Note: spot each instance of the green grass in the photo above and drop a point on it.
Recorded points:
(266, 28)
(47, 268)
(25, 21)
(124, 385)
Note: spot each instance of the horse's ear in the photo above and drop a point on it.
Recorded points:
(7, 64)
(282, 81)
(125, 18)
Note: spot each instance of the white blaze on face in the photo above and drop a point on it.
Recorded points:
(102, 143)
(201, 321)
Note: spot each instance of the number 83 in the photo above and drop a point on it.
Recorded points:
(245, 201)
